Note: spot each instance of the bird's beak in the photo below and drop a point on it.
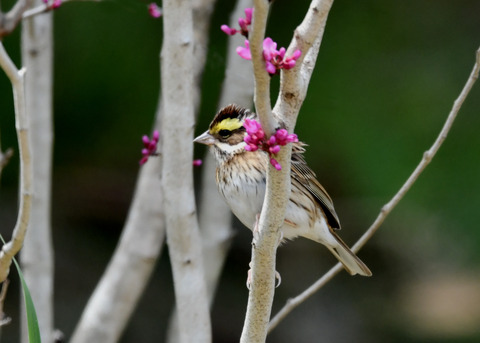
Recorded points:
(205, 138)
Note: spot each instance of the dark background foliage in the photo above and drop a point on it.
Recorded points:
(387, 75)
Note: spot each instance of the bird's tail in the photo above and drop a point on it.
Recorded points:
(352, 264)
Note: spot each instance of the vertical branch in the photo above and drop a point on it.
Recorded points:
(177, 133)
(262, 78)
(293, 88)
(37, 253)
(17, 78)
(266, 235)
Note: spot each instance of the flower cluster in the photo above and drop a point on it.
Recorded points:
(242, 22)
(154, 10)
(150, 146)
(150, 149)
(255, 139)
(274, 59)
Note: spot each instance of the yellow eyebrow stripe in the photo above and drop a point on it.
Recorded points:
(226, 124)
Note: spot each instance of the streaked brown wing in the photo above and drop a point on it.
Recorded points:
(307, 178)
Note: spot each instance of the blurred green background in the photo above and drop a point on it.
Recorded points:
(386, 78)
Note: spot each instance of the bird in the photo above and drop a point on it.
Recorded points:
(241, 180)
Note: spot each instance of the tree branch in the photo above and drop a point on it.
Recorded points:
(387, 208)
(262, 78)
(17, 78)
(177, 133)
(10, 20)
(37, 257)
(266, 236)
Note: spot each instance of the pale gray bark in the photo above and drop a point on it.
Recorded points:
(12, 247)
(37, 254)
(183, 237)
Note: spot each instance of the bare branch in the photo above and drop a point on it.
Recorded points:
(266, 236)
(262, 78)
(37, 254)
(17, 78)
(45, 7)
(4, 319)
(10, 20)
(387, 208)
(183, 236)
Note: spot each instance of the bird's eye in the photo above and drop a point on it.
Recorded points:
(225, 133)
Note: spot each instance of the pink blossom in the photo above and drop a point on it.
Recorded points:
(197, 163)
(245, 52)
(255, 139)
(228, 30)
(275, 163)
(56, 4)
(154, 10)
(275, 59)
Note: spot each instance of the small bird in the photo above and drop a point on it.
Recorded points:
(241, 180)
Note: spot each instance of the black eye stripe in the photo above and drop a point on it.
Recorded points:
(224, 133)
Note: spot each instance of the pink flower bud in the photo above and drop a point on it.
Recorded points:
(243, 24)
(156, 135)
(154, 10)
(274, 149)
(228, 30)
(197, 163)
(260, 133)
(271, 69)
(245, 52)
(56, 4)
(152, 146)
(274, 163)
(292, 138)
(145, 140)
(296, 55)
(272, 140)
(248, 15)
(281, 134)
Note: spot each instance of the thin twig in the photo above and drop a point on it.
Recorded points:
(17, 78)
(387, 208)
(43, 8)
(5, 158)
(4, 320)
(262, 78)
(10, 20)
